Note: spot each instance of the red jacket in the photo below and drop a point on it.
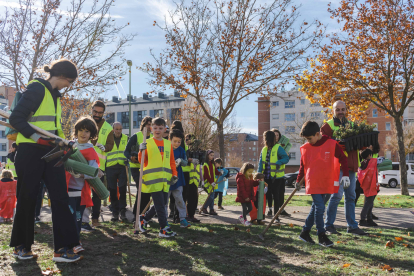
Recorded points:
(368, 178)
(245, 188)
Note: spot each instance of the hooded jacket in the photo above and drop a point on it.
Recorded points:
(245, 188)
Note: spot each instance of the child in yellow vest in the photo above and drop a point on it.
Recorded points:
(159, 173)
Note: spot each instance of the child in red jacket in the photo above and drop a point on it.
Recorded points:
(368, 178)
(245, 191)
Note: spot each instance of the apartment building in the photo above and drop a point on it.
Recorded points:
(241, 148)
(4, 143)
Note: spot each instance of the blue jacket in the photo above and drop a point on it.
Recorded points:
(179, 153)
(224, 172)
(282, 159)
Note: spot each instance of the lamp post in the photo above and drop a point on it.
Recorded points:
(129, 62)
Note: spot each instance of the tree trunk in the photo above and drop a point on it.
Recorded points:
(221, 142)
(401, 153)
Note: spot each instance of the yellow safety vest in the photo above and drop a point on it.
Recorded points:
(273, 159)
(116, 155)
(10, 166)
(158, 171)
(207, 185)
(103, 135)
(188, 167)
(140, 139)
(46, 117)
(195, 174)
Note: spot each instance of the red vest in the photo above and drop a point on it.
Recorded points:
(7, 198)
(321, 168)
(368, 178)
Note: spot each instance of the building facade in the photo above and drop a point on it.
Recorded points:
(241, 148)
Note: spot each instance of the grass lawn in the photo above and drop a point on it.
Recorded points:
(216, 250)
(389, 201)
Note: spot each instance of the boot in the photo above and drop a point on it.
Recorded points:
(115, 216)
(370, 222)
(95, 223)
(363, 222)
(123, 215)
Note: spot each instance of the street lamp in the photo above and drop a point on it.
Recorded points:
(129, 62)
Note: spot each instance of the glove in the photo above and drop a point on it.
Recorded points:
(298, 186)
(224, 179)
(345, 181)
(213, 184)
(72, 172)
(143, 146)
(202, 184)
(196, 161)
(100, 173)
(174, 180)
(178, 162)
(42, 140)
(100, 146)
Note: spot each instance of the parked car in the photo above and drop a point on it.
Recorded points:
(391, 178)
(290, 179)
(232, 176)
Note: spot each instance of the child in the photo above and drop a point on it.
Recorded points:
(368, 177)
(7, 196)
(320, 166)
(176, 190)
(209, 175)
(255, 202)
(245, 193)
(159, 173)
(221, 182)
(78, 189)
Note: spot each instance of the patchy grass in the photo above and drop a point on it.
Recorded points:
(385, 201)
(216, 250)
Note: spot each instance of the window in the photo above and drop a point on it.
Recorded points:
(375, 113)
(232, 148)
(289, 104)
(254, 143)
(254, 148)
(254, 159)
(228, 154)
(376, 126)
(289, 117)
(3, 119)
(110, 118)
(302, 114)
(125, 120)
(275, 116)
(289, 129)
(387, 126)
(3, 147)
(315, 115)
(276, 127)
(315, 104)
(138, 116)
(275, 103)
(292, 155)
(388, 154)
(254, 154)
(302, 102)
(4, 159)
(158, 113)
(250, 147)
(3, 134)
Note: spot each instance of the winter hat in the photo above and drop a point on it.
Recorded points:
(209, 151)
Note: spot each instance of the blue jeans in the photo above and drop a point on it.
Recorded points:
(210, 202)
(316, 214)
(349, 203)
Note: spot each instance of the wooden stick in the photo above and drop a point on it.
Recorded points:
(141, 172)
(146, 207)
(129, 186)
(261, 236)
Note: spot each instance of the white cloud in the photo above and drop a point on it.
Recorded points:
(160, 9)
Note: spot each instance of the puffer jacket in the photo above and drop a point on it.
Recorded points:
(245, 188)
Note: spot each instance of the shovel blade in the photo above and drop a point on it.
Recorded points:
(261, 237)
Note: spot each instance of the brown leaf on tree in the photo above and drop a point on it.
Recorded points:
(389, 244)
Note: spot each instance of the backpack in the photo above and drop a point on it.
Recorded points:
(12, 133)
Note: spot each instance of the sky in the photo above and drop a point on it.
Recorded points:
(141, 15)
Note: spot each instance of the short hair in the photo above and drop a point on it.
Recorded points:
(177, 125)
(14, 145)
(218, 160)
(158, 122)
(246, 166)
(269, 139)
(87, 123)
(6, 174)
(176, 133)
(116, 123)
(309, 128)
(366, 153)
(145, 121)
(190, 136)
(98, 103)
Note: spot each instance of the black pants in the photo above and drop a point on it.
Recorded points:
(220, 196)
(160, 199)
(31, 169)
(366, 212)
(277, 190)
(116, 177)
(40, 198)
(145, 198)
(96, 208)
(358, 191)
(269, 197)
(77, 211)
(247, 208)
(190, 193)
(171, 205)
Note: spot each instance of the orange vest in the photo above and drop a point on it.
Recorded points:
(368, 178)
(321, 168)
(7, 198)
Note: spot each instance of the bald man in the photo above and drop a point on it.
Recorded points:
(347, 180)
(116, 174)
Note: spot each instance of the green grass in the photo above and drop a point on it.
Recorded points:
(216, 250)
(391, 201)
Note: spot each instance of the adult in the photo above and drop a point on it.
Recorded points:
(339, 119)
(190, 193)
(284, 142)
(131, 153)
(102, 145)
(272, 164)
(116, 174)
(41, 104)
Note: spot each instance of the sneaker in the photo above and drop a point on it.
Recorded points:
(85, 227)
(370, 222)
(17, 249)
(330, 230)
(357, 231)
(23, 254)
(304, 236)
(115, 217)
(37, 219)
(171, 215)
(247, 223)
(324, 240)
(78, 249)
(166, 232)
(95, 223)
(277, 220)
(142, 224)
(123, 216)
(285, 214)
(65, 255)
(270, 213)
(193, 219)
(184, 224)
(241, 219)
(363, 222)
(220, 208)
(212, 212)
(374, 217)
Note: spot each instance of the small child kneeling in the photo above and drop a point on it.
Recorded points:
(368, 178)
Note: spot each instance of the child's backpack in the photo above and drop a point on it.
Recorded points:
(11, 133)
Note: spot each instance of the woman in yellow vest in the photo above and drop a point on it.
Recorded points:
(40, 106)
